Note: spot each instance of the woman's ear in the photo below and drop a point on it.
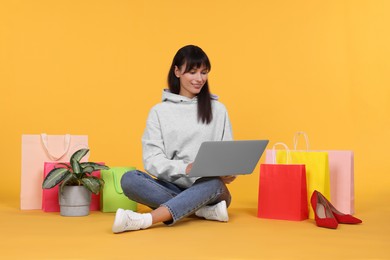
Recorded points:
(177, 72)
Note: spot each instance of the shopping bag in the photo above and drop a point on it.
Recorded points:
(341, 171)
(282, 190)
(317, 170)
(37, 149)
(50, 201)
(112, 196)
(342, 193)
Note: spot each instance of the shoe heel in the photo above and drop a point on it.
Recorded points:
(322, 212)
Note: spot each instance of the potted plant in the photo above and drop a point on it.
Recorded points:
(76, 184)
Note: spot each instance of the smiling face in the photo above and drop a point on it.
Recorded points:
(192, 81)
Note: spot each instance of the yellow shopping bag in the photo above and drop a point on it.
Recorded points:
(317, 171)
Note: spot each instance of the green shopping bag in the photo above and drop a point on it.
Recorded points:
(112, 197)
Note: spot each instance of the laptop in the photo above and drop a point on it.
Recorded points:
(224, 158)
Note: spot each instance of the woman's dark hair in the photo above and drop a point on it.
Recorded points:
(193, 57)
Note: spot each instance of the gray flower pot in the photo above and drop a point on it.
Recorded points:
(74, 201)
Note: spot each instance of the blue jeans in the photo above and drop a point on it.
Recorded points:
(142, 188)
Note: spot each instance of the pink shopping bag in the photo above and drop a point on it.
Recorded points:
(37, 149)
(342, 193)
(50, 196)
(341, 173)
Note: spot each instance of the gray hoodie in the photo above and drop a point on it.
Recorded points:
(173, 136)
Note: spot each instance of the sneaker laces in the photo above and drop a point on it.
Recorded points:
(215, 212)
(134, 220)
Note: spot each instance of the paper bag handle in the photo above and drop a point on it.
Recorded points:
(46, 146)
(296, 137)
(288, 155)
(118, 189)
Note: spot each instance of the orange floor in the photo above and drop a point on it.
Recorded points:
(38, 235)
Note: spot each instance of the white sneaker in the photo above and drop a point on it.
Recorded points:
(126, 220)
(214, 212)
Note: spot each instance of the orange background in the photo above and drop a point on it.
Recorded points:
(97, 67)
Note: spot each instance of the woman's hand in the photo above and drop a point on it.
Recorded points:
(188, 169)
(225, 179)
(228, 179)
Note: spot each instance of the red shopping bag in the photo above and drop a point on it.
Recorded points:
(283, 192)
(50, 196)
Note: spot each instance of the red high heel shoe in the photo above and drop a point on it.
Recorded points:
(322, 212)
(341, 217)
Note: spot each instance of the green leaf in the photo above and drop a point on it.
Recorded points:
(92, 183)
(75, 160)
(54, 177)
(69, 178)
(88, 169)
(95, 166)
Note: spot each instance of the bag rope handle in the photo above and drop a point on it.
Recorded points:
(296, 137)
(288, 154)
(118, 189)
(46, 146)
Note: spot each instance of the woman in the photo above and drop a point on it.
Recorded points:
(175, 128)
